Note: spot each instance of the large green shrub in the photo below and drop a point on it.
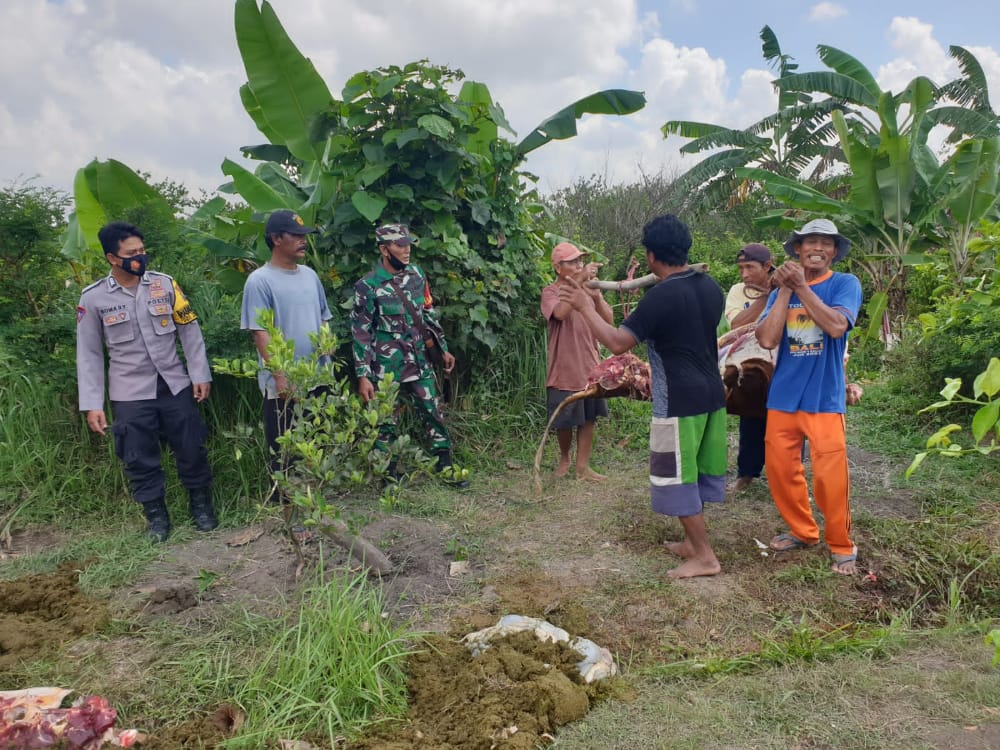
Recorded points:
(957, 340)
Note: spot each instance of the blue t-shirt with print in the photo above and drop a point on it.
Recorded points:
(809, 375)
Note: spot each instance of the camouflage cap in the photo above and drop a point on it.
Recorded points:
(398, 233)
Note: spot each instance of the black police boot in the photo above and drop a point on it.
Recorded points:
(157, 520)
(446, 470)
(201, 509)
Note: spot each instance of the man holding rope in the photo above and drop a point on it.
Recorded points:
(572, 355)
(677, 318)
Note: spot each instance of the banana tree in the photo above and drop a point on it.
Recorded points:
(102, 192)
(897, 191)
(397, 145)
(973, 173)
(794, 141)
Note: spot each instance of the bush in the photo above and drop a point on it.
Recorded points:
(955, 341)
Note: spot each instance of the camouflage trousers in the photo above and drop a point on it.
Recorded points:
(422, 396)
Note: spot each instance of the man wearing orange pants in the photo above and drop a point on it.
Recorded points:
(808, 316)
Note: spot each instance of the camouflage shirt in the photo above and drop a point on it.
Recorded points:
(385, 337)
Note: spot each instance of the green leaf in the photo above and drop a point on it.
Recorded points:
(875, 309)
(287, 89)
(371, 173)
(935, 406)
(277, 178)
(399, 191)
(952, 386)
(368, 205)
(477, 95)
(479, 314)
(254, 190)
(984, 419)
(940, 438)
(208, 209)
(102, 190)
(412, 134)
(89, 214)
(436, 125)
(386, 85)
(253, 108)
(481, 212)
(563, 123)
(74, 244)
(988, 382)
(917, 460)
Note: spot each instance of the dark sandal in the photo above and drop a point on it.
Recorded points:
(791, 543)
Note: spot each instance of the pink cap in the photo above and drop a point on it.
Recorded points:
(565, 251)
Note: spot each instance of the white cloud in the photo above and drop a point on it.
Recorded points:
(155, 84)
(826, 12)
(918, 53)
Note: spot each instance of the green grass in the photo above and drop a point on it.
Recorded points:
(108, 561)
(831, 660)
(922, 693)
(333, 669)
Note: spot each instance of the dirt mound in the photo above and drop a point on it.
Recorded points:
(515, 695)
(39, 613)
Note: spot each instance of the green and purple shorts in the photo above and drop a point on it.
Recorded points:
(687, 463)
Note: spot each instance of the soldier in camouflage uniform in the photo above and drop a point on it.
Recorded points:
(387, 340)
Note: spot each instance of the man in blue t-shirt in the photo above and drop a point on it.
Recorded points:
(295, 294)
(687, 438)
(808, 317)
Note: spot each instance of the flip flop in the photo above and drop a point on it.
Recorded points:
(792, 543)
(302, 535)
(843, 559)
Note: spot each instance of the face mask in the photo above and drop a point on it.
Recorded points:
(136, 265)
(395, 262)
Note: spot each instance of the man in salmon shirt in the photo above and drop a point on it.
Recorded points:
(572, 355)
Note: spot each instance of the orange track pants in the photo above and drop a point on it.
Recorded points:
(831, 482)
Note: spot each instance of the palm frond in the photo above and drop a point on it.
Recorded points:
(972, 89)
(834, 85)
(849, 66)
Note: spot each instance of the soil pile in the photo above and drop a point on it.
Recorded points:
(514, 695)
(39, 613)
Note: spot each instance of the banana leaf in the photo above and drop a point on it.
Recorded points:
(562, 124)
(285, 92)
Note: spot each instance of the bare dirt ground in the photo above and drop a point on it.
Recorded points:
(586, 557)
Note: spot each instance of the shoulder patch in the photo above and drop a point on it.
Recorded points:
(183, 314)
(80, 312)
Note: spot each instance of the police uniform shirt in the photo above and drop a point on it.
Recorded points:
(139, 327)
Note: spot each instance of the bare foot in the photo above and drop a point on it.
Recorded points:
(846, 568)
(681, 549)
(563, 468)
(589, 475)
(696, 567)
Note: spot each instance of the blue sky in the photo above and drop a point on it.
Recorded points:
(730, 29)
(155, 83)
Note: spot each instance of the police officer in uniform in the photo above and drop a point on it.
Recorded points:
(137, 316)
(387, 339)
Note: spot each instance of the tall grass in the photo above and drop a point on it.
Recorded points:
(49, 464)
(336, 668)
(506, 399)
(53, 470)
